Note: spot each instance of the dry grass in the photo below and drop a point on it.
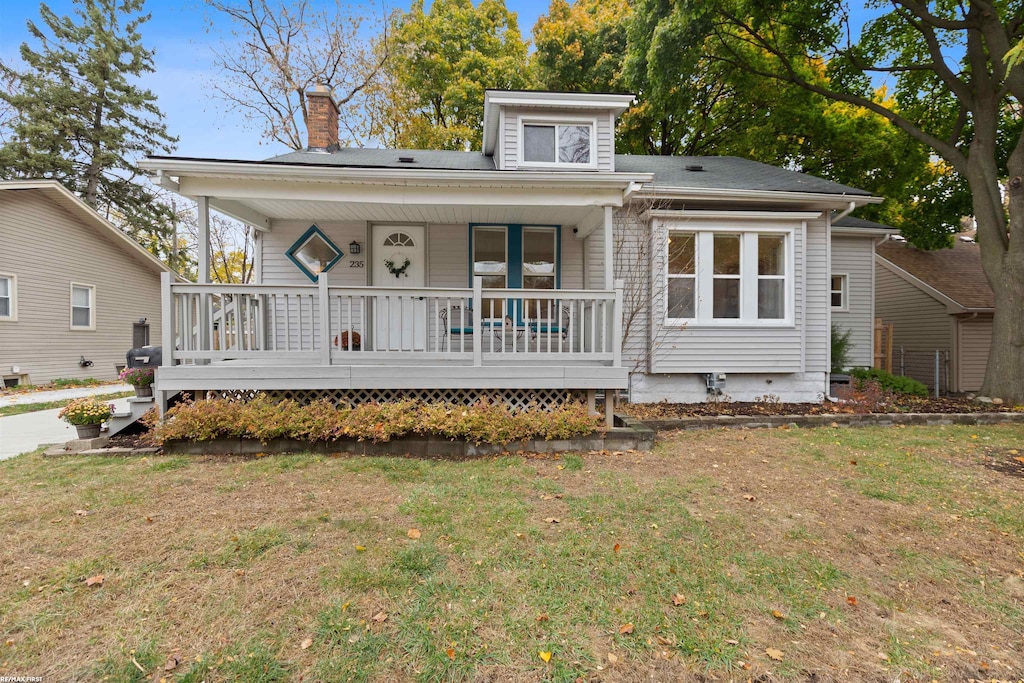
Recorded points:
(871, 554)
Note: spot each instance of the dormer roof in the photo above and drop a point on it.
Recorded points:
(563, 101)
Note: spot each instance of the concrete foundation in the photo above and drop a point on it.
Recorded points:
(806, 387)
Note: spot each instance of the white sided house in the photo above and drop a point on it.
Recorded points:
(73, 287)
(544, 266)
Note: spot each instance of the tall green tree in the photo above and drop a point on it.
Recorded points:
(80, 116)
(440, 64)
(954, 91)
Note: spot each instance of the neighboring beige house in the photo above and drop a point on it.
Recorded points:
(937, 300)
(71, 287)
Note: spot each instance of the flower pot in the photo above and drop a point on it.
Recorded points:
(88, 431)
(145, 391)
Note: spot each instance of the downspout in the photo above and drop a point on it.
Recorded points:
(844, 213)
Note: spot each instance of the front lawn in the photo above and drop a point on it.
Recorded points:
(867, 554)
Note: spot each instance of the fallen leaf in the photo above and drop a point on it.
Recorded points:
(678, 599)
(552, 520)
(732, 642)
(772, 653)
(777, 614)
(1019, 458)
(612, 658)
(94, 580)
(744, 665)
(542, 617)
(749, 498)
(626, 629)
(546, 656)
(380, 617)
(360, 548)
(616, 548)
(881, 655)
(306, 644)
(82, 513)
(451, 653)
(172, 663)
(413, 533)
(851, 600)
(853, 462)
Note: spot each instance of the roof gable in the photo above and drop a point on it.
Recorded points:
(955, 273)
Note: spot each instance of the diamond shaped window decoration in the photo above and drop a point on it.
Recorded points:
(314, 253)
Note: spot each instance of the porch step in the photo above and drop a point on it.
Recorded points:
(137, 407)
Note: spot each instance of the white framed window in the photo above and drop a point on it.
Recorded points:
(565, 143)
(490, 262)
(83, 307)
(837, 291)
(729, 277)
(8, 298)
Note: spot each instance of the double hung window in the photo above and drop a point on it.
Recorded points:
(515, 257)
(8, 303)
(83, 307)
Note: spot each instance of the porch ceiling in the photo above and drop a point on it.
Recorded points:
(306, 210)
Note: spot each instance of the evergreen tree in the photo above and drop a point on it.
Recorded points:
(80, 118)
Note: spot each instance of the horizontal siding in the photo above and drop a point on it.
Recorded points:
(814, 292)
(631, 249)
(920, 323)
(853, 256)
(47, 248)
(604, 133)
(740, 349)
(975, 342)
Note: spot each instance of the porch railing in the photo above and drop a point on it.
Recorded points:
(327, 324)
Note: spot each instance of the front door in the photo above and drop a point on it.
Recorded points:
(400, 261)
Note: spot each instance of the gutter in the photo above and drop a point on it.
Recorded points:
(846, 212)
(773, 196)
(306, 172)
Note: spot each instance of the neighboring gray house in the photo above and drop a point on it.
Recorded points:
(544, 266)
(71, 287)
(937, 301)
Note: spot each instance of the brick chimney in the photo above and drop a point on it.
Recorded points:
(321, 120)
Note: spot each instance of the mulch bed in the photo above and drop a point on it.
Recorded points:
(898, 404)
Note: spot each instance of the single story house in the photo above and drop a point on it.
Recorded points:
(544, 266)
(937, 301)
(73, 287)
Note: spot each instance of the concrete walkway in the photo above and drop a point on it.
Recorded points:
(61, 394)
(28, 431)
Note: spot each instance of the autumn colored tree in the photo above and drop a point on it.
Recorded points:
(955, 91)
(441, 63)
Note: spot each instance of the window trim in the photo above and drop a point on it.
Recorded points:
(556, 120)
(13, 294)
(92, 307)
(704, 267)
(514, 234)
(844, 292)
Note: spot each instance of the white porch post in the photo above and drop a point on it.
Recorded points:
(609, 265)
(325, 320)
(617, 325)
(478, 315)
(166, 335)
(203, 246)
(203, 275)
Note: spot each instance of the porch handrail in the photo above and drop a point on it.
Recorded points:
(329, 321)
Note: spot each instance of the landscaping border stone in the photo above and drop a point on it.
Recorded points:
(833, 420)
(630, 435)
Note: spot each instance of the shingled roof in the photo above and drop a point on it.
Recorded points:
(956, 273)
(719, 173)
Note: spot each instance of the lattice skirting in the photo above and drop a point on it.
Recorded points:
(515, 398)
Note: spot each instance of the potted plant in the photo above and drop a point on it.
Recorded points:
(87, 414)
(141, 380)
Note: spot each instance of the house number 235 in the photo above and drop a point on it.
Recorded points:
(356, 264)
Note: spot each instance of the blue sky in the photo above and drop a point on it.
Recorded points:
(178, 34)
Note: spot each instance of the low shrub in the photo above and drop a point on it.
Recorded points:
(264, 419)
(863, 396)
(841, 346)
(897, 384)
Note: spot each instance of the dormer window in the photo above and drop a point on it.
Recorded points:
(556, 143)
